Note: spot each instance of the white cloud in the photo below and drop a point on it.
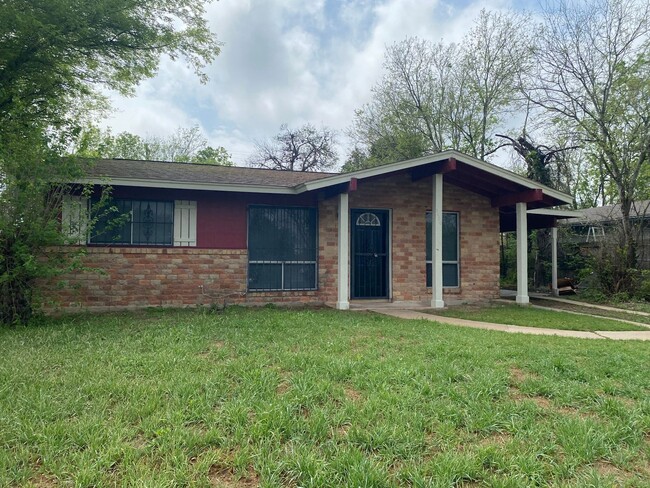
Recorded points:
(286, 62)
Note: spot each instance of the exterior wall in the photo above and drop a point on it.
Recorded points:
(216, 270)
(409, 201)
(221, 217)
(135, 277)
(328, 267)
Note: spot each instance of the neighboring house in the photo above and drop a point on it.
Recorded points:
(598, 224)
(197, 234)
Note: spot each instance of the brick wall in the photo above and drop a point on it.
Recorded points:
(135, 277)
(409, 201)
(147, 277)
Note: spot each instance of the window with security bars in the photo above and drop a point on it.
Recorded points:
(135, 222)
(450, 250)
(282, 248)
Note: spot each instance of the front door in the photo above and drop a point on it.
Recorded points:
(369, 253)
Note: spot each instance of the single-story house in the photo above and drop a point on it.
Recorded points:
(419, 231)
(599, 225)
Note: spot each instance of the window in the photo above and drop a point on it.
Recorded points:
(450, 251)
(368, 219)
(136, 222)
(282, 248)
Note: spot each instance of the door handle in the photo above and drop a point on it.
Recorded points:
(376, 255)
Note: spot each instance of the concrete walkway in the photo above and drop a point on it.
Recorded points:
(414, 315)
(561, 310)
(588, 305)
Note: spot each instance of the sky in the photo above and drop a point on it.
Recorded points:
(287, 61)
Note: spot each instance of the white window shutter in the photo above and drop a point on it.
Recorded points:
(185, 223)
(74, 219)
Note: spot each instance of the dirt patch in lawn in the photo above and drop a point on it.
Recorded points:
(495, 439)
(540, 401)
(43, 481)
(342, 430)
(352, 394)
(226, 478)
(608, 470)
(138, 442)
(517, 377)
(283, 387)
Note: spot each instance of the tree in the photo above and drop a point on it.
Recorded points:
(57, 52)
(452, 96)
(186, 145)
(304, 149)
(54, 57)
(592, 72)
(545, 165)
(390, 148)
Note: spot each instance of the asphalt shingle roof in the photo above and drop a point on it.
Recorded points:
(610, 213)
(199, 173)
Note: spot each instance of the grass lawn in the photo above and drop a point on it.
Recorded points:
(534, 317)
(316, 398)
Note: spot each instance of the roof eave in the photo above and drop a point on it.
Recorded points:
(558, 213)
(181, 185)
(563, 198)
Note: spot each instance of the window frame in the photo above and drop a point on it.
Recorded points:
(456, 262)
(131, 223)
(283, 263)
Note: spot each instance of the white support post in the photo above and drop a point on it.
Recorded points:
(554, 261)
(522, 254)
(436, 243)
(344, 252)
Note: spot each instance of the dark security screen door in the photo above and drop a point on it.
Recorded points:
(369, 253)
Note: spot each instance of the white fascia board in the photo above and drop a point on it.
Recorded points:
(554, 212)
(413, 163)
(509, 175)
(370, 172)
(180, 185)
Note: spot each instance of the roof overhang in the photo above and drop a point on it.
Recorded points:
(539, 218)
(504, 188)
(182, 185)
(483, 173)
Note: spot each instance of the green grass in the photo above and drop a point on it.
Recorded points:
(316, 398)
(534, 317)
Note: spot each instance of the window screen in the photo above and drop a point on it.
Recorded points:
(282, 248)
(450, 252)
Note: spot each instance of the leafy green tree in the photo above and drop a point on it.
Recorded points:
(390, 148)
(56, 52)
(55, 58)
(592, 73)
(184, 146)
(210, 155)
(451, 96)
